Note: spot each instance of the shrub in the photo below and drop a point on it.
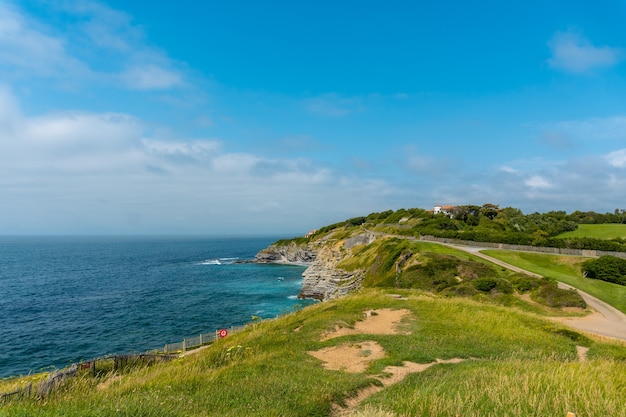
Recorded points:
(606, 268)
(490, 284)
(524, 283)
(551, 295)
(503, 286)
(485, 284)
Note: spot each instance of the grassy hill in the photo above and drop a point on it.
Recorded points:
(469, 343)
(494, 360)
(597, 231)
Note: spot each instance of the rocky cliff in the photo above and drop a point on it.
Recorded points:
(291, 253)
(323, 279)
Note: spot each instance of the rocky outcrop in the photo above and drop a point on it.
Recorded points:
(323, 279)
(291, 253)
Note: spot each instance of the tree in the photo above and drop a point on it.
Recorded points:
(490, 210)
(470, 215)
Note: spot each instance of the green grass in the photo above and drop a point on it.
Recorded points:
(515, 364)
(597, 231)
(565, 269)
(509, 388)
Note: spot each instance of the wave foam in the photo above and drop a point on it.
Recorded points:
(219, 261)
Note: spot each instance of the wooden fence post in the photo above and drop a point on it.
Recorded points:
(184, 345)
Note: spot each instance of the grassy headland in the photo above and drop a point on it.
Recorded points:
(512, 360)
(515, 363)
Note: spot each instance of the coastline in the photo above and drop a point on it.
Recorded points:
(110, 295)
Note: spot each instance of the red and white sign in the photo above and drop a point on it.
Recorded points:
(223, 333)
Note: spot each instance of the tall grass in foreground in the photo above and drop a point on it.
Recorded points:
(510, 388)
(515, 364)
(565, 269)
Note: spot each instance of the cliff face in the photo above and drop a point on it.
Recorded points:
(323, 280)
(287, 254)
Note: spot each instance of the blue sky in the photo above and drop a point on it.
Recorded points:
(153, 117)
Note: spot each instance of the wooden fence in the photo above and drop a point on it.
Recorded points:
(112, 363)
(104, 364)
(18, 394)
(197, 341)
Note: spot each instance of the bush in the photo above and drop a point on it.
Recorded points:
(503, 286)
(551, 295)
(493, 284)
(485, 284)
(606, 268)
(524, 283)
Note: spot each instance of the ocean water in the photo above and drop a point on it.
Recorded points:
(65, 299)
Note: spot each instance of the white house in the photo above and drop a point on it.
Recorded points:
(443, 209)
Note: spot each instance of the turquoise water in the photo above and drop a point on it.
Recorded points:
(64, 299)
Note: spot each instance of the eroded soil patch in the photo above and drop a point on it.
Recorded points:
(391, 375)
(356, 357)
(350, 357)
(383, 321)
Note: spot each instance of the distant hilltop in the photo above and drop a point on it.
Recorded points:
(335, 269)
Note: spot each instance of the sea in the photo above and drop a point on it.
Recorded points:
(72, 298)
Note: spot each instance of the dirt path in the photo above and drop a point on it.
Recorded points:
(356, 357)
(604, 320)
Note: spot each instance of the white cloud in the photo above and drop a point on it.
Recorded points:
(105, 27)
(104, 168)
(617, 158)
(537, 181)
(508, 169)
(573, 53)
(25, 45)
(102, 47)
(151, 77)
(194, 148)
(9, 109)
(81, 131)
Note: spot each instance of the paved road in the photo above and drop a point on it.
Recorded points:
(604, 320)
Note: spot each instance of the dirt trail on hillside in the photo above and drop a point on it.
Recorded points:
(604, 320)
(356, 357)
